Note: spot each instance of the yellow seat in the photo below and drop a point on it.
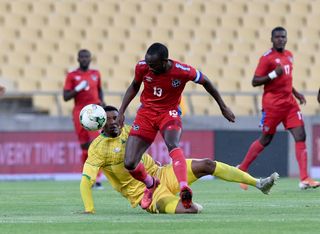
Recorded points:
(144, 21)
(300, 8)
(20, 7)
(160, 34)
(87, 8)
(64, 7)
(214, 7)
(27, 85)
(188, 21)
(11, 71)
(193, 8)
(277, 8)
(33, 72)
(228, 85)
(166, 20)
(43, 7)
(37, 21)
(171, 8)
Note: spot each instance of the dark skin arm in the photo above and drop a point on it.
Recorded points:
(226, 112)
(131, 92)
(299, 96)
(319, 96)
(69, 94)
(261, 80)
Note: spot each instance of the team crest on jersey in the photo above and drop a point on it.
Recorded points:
(116, 150)
(135, 127)
(290, 58)
(277, 60)
(148, 78)
(94, 77)
(176, 83)
(77, 78)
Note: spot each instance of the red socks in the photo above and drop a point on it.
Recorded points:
(179, 166)
(253, 152)
(301, 156)
(140, 173)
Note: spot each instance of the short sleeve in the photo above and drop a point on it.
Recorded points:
(139, 71)
(263, 67)
(68, 85)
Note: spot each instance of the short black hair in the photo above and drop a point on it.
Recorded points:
(110, 108)
(158, 49)
(276, 29)
(83, 51)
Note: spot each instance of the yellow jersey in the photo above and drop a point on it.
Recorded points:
(108, 153)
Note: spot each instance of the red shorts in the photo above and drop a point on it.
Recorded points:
(147, 123)
(290, 117)
(84, 135)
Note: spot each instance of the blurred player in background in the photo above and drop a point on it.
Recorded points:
(274, 71)
(107, 152)
(319, 96)
(84, 86)
(164, 80)
(2, 90)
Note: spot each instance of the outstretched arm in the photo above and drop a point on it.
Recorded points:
(226, 112)
(131, 92)
(89, 175)
(299, 96)
(319, 96)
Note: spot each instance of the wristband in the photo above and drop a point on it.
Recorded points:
(272, 75)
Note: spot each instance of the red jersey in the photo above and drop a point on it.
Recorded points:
(90, 95)
(277, 92)
(163, 91)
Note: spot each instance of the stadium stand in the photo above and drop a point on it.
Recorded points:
(223, 38)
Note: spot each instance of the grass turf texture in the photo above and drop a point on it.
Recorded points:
(54, 207)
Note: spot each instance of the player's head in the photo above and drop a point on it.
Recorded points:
(111, 128)
(279, 38)
(157, 58)
(84, 59)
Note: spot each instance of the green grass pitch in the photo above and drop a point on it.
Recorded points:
(54, 207)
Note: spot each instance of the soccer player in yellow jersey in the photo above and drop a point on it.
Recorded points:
(106, 152)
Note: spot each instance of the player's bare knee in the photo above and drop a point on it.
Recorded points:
(130, 164)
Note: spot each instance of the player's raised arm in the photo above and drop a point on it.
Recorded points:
(131, 92)
(226, 112)
(319, 96)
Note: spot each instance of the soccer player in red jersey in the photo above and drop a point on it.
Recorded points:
(274, 71)
(84, 86)
(164, 80)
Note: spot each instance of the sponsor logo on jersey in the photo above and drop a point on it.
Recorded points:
(94, 77)
(182, 67)
(148, 78)
(277, 60)
(176, 83)
(135, 127)
(123, 141)
(77, 78)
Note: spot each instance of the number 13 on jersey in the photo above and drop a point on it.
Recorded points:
(157, 91)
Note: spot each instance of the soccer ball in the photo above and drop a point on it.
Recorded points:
(93, 117)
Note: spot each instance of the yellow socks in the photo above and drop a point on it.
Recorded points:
(233, 174)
